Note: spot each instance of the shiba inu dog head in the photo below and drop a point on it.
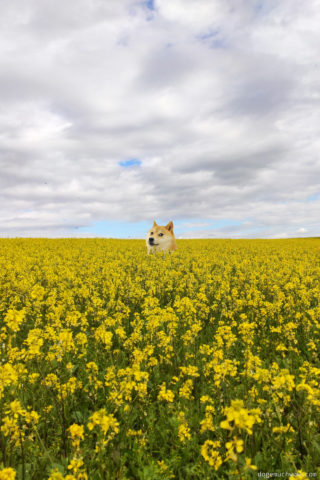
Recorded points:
(161, 238)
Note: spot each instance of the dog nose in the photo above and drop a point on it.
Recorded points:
(151, 240)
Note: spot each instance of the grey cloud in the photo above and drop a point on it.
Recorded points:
(221, 133)
(262, 96)
(166, 66)
(233, 168)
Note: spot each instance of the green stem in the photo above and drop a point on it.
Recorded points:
(23, 458)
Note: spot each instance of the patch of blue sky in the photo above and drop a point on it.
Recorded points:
(213, 38)
(130, 162)
(121, 229)
(209, 35)
(117, 229)
(313, 198)
(150, 9)
(150, 4)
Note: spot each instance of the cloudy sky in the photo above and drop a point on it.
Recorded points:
(117, 112)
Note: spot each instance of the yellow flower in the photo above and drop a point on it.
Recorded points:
(106, 423)
(7, 474)
(33, 377)
(191, 370)
(32, 417)
(206, 399)
(10, 427)
(14, 319)
(207, 423)
(15, 409)
(34, 342)
(56, 475)
(237, 444)
(186, 389)
(248, 465)
(75, 464)
(238, 416)
(183, 429)
(164, 394)
(104, 336)
(69, 366)
(283, 429)
(184, 432)
(76, 434)
(210, 454)
(96, 319)
(8, 376)
(233, 447)
(92, 367)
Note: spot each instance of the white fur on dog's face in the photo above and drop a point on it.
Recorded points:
(160, 238)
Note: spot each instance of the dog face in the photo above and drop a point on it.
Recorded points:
(160, 238)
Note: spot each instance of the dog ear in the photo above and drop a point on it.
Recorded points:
(169, 226)
(155, 223)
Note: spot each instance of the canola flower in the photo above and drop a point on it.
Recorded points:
(240, 417)
(76, 434)
(200, 364)
(211, 454)
(7, 474)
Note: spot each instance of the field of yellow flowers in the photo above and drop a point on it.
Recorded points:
(203, 364)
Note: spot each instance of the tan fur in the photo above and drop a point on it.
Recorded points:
(165, 242)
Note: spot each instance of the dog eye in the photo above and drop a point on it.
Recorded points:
(160, 234)
(151, 233)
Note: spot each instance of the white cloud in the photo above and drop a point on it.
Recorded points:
(219, 101)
